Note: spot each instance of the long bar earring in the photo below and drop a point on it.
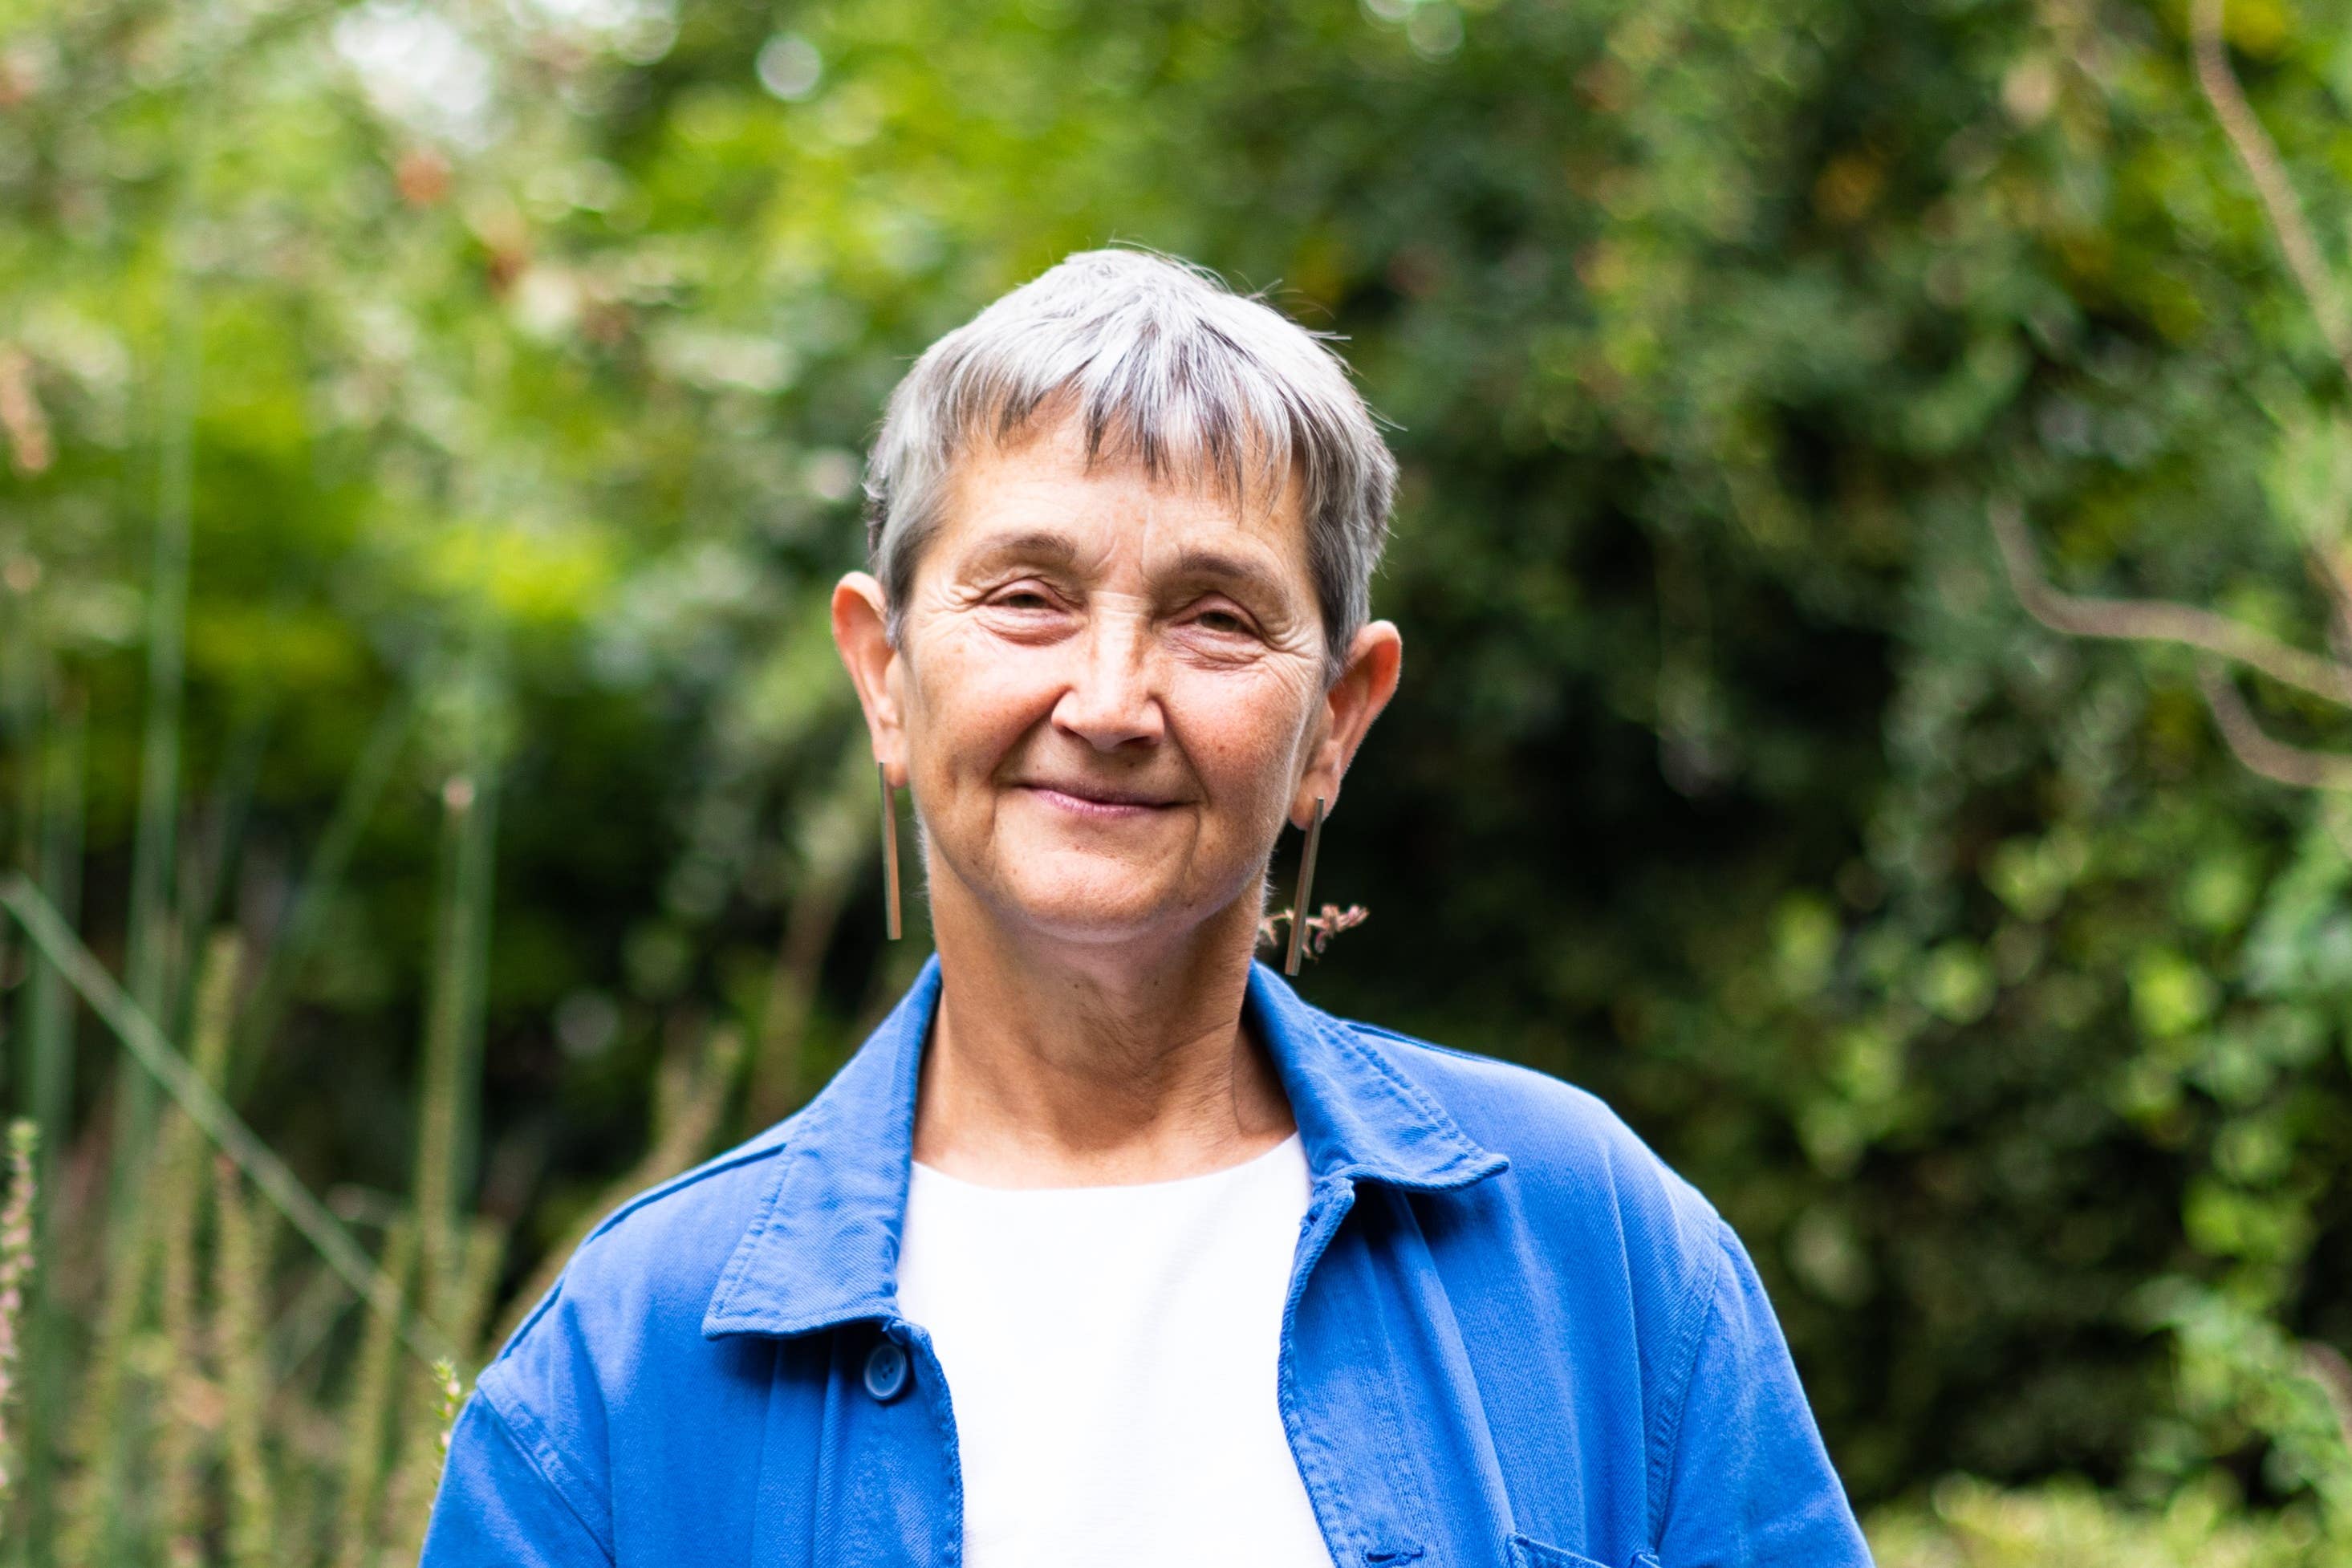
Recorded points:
(889, 850)
(1305, 884)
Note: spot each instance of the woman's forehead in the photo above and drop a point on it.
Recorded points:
(1045, 501)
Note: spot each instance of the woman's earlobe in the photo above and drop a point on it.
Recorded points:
(1317, 793)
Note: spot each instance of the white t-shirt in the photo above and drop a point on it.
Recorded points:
(1110, 1354)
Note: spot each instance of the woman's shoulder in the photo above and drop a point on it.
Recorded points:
(1576, 1166)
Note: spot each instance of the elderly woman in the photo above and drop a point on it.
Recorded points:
(1106, 1249)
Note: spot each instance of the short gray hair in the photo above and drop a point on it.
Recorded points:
(1161, 365)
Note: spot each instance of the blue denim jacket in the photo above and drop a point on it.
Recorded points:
(1513, 1337)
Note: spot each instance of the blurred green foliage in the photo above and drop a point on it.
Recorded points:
(510, 367)
(1967, 1524)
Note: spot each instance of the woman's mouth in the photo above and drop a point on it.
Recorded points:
(1096, 804)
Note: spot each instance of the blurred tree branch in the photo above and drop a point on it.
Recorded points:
(2158, 620)
(2261, 752)
(2260, 154)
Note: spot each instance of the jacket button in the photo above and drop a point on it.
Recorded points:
(885, 1371)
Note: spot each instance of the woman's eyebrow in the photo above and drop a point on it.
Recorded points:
(1041, 548)
(1219, 567)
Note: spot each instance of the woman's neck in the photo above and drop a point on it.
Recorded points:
(1055, 1065)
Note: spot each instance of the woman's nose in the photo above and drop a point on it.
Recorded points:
(1112, 700)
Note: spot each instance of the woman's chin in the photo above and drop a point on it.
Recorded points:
(1083, 896)
(1093, 922)
(1097, 910)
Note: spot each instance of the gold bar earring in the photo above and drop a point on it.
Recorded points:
(1305, 884)
(889, 850)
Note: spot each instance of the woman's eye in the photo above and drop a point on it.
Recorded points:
(1025, 599)
(1221, 621)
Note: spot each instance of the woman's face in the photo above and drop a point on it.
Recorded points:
(1109, 693)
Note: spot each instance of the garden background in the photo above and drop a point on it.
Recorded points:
(433, 812)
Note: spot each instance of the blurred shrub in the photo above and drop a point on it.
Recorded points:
(1967, 1524)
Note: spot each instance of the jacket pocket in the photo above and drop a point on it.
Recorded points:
(1527, 1551)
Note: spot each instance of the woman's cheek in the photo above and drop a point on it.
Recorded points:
(971, 690)
(1241, 741)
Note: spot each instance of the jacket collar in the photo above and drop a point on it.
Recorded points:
(825, 1246)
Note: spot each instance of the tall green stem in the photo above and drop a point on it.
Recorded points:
(148, 962)
(451, 1089)
(45, 1066)
(21, 721)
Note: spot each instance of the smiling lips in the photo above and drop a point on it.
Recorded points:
(1097, 802)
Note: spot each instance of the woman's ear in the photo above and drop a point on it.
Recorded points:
(861, 631)
(1367, 681)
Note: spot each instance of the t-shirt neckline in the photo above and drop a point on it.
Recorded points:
(932, 1175)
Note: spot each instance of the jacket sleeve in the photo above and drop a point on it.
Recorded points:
(498, 1506)
(1750, 1484)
